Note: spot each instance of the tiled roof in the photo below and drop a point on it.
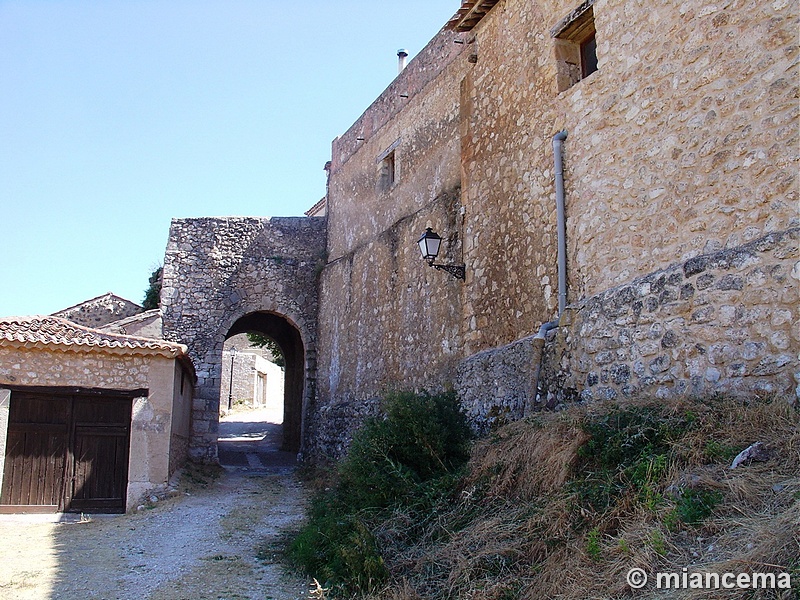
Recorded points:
(59, 334)
(317, 208)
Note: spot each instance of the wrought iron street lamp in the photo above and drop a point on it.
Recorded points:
(429, 245)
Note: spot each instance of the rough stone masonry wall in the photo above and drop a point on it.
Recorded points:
(34, 367)
(244, 373)
(217, 271)
(723, 322)
(387, 320)
(100, 311)
(682, 145)
(685, 141)
(682, 151)
(499, 385)
(247, 367)
(510, 112)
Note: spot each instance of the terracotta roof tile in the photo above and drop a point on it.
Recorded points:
(42, 331)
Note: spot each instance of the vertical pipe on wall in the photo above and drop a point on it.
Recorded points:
(558, 146)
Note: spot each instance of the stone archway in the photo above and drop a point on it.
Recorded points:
(224, 276)
(288, 337)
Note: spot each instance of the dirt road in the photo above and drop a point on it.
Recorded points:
(214, 540)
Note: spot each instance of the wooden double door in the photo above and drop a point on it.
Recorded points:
(66, 452)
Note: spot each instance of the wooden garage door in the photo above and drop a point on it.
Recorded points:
(66, 453)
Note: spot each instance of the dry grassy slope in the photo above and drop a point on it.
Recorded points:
(518, 530)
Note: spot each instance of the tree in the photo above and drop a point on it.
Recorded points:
(152, 295)
(259, 340)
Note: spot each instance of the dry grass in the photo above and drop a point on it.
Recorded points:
(528, 459)
(516, 532)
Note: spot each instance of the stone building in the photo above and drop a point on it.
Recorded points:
(100, 311)
(89, 420)
(144, 324)
(679, 159)
(251, 381)
(667, 132)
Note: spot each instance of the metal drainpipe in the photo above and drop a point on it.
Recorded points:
(558, 144)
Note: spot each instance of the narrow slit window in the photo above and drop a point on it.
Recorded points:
(388, 171)
(387, 167)
(589, 56)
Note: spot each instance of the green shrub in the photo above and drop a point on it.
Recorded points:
(406, 458)
(593, 545)
(695, 505)
(418, 438)
(717, 451)
(628, 449)
(339, 549)
(658, 543)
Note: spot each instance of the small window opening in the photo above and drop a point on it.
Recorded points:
(387, 171)
(589, 57)
(575, 46)
(387, 168)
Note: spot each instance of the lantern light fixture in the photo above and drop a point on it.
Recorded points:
(429, 245)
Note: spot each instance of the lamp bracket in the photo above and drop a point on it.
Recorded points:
(457, 271)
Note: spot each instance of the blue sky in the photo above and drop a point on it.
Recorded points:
(116, 116)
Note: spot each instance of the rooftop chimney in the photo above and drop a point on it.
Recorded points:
(402, 55)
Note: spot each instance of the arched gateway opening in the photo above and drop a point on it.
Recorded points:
(289, 340)
(232, 275)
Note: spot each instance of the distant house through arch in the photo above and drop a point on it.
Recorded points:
(290, 341)
(252, 378)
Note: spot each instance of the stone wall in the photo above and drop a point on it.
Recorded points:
(382, 308)
(680, 144)
(248, 368)
(183, 395)
(682, 150)
(243, 378)
(236, 270)
(497, 385)
(387, 320)
(686, 139)
(418, 118)
(100, 311)
(723, 322)
(145, 324)
(115, 371)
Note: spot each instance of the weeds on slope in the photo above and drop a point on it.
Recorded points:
(406, 460)
(564, 504)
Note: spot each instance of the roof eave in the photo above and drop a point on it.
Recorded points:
(172, 351)
(470, 14)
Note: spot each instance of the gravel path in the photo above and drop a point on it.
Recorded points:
(215, 540)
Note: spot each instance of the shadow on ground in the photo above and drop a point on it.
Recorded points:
(252, 444)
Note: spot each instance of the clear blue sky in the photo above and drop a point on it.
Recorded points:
(116, 116)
